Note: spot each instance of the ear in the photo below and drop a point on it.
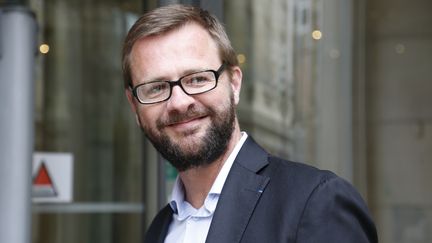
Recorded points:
(131, 100)
(132, 104)
(137, 120)
(236, 81)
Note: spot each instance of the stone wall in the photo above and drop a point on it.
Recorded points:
(399, 95)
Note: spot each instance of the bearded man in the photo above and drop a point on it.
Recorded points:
(183, 81)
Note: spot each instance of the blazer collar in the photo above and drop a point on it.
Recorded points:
(252, 156)
(240, 194)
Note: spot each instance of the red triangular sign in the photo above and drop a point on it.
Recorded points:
(42, 177)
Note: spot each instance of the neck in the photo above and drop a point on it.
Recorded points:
(198, 181)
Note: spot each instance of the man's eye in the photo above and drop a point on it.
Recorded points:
(197, 80)
(155, 89)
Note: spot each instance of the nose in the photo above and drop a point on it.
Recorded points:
(179, 100)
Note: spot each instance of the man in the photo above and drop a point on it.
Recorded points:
(183, 82)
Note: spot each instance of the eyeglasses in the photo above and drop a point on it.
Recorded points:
(192, 84)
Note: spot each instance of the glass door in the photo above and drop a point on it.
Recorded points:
(81, 109)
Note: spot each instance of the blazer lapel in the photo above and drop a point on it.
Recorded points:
(240, 194)
(160, 225)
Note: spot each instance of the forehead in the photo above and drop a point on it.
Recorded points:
(188, 47)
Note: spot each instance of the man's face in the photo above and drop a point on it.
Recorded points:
(189, 131)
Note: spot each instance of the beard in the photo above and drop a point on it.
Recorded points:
(199, 152)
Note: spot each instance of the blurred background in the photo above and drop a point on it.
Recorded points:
(344, 85)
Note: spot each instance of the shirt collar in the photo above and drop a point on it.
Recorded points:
(183, 208)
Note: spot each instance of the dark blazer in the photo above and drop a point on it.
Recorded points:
(269, 200)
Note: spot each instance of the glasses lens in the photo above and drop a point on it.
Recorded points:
(153, 91)
(199, 82)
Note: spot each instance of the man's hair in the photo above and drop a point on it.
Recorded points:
(165, 19)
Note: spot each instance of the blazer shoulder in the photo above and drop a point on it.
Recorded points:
(295, 171)
(322, 206)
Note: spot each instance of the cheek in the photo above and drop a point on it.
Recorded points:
(222, 101)
(148, 117)
(229, 96)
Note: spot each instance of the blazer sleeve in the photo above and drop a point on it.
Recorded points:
(335, 212)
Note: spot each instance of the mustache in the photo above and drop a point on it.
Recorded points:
(176, 117)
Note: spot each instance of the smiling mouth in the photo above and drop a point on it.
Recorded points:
(186, 122)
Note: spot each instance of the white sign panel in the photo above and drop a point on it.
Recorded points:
(52, 177)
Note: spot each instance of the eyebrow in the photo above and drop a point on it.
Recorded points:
(185, 73)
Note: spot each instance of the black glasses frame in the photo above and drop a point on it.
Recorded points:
(216, 73)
